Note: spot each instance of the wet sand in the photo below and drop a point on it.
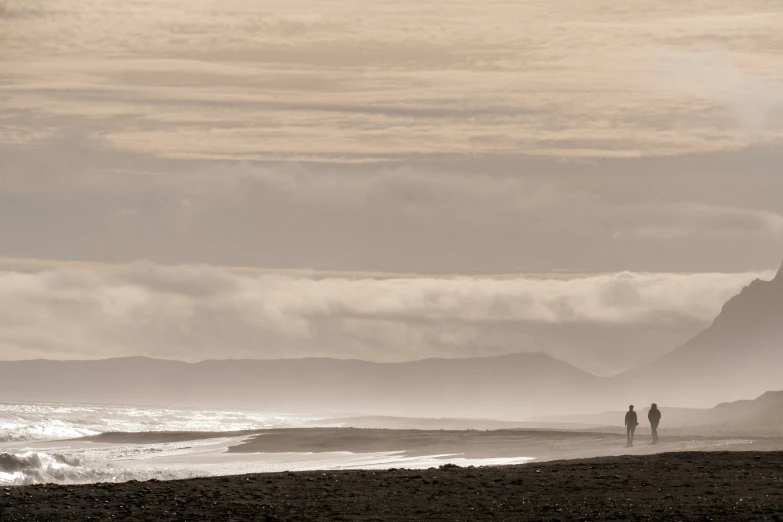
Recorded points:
(539, 444)
(669, 486)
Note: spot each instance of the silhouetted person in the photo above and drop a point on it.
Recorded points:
(630, 424)
(654, 417)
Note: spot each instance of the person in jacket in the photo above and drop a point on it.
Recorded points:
(654, 416)
(631, 422)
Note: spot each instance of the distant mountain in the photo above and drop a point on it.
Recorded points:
(765, 413)
(740, 354)
(505, 387)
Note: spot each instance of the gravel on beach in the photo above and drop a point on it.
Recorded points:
(671, 486)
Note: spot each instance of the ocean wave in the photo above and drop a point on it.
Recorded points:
(29, 422)
(34, 467)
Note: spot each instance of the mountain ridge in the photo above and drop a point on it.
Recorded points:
(737, 355)
(163, 359)
(447, 387)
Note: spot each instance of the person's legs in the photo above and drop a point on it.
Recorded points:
(630, 435)
(654, 428)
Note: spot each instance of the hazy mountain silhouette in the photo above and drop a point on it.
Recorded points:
(505, 387)
(764, 412)
(760, 414)
(740, 354)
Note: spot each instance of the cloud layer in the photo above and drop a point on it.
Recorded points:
(198, 312)
(347, 81)
(84, 200)
(399, 136)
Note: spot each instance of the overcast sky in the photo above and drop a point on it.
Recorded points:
(318, 144)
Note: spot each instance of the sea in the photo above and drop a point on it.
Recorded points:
(39, 443)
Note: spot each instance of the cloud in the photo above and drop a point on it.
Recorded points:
(755, 100)
(200, 312)
(685, 220)
(397, 80)
(78, 198)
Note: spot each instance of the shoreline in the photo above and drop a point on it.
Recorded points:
(171, 455)
(539, 444)
(683, 485)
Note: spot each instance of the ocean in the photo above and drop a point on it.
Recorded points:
(39, 444)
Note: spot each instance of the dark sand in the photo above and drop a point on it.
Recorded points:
(670, 486)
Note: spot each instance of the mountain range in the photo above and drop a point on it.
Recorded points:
(762, 414)
(505, 387)
(739, 355)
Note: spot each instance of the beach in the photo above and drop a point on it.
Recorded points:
(170, 455)
(253, 471)
(669, 486)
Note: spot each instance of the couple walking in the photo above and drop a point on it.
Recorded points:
(631, 422)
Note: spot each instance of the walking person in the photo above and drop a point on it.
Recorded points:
(654, 416)
(631, 422)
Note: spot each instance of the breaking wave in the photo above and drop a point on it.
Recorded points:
(33, 467)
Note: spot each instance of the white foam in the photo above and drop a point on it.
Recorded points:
(24, 422)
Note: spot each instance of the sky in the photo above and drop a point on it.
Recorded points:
(385, 180)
